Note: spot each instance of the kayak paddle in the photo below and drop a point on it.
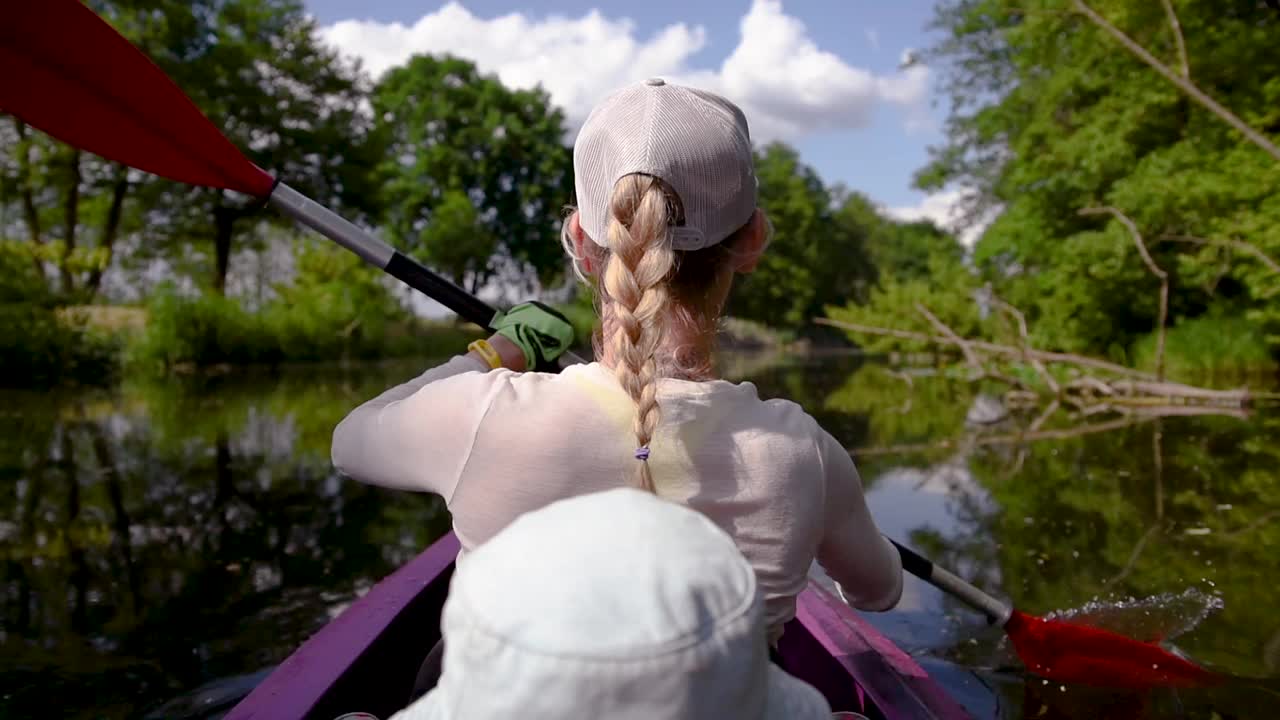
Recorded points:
(71, 75)
(1063, 651)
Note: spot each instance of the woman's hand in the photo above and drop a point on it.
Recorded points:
(538, 333)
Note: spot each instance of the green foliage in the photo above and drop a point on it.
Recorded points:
(814, 259)
(207, 329)
(39, 345)
(899, 250)
(259, 70)
(455, 242)
(456, 137)
(947, 289)
(336, 310)
(902, 410)
(1207, 344)
(1050, 116)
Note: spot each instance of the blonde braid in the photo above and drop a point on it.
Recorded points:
(636, 280)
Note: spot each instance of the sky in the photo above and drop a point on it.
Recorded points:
(822, 75)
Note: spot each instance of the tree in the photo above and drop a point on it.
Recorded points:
(456, 241)
(814, 259)
(70, 207)
(259, 71)
(1050, 116)
(899, 250)
(458, 137)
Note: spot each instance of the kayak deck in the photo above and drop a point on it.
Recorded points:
(367, 658)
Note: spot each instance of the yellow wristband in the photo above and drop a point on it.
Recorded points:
(487, 352)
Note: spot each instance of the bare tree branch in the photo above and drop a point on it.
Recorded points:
(1183, 84)
(1044, 416)
(1026, 342)
(969, 354)
(1045, 355)
(1241, 245)
(1006, 439)
(1177, 38)
(1155, 270)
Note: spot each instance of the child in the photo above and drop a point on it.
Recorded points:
(667, 215)
(658, 616)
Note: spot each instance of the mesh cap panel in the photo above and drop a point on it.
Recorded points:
(694, 140)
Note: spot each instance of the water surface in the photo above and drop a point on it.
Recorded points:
(165, 535)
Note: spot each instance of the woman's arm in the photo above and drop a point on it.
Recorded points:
(418, 435)
(852, 551)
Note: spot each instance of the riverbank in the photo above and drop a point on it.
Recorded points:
(101, 345)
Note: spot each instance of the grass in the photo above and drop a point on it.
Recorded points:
(184, 334)
(1208, 345)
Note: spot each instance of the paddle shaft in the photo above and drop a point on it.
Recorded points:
(997, 612)
(386, 258)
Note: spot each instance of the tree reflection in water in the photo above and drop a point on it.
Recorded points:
(1091, 519)
(167, 535)
(170, 534)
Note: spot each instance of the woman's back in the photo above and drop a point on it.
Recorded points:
(499, 444)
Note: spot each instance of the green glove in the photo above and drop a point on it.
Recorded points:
(540, 331)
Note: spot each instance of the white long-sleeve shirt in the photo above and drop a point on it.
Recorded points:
(496, 443)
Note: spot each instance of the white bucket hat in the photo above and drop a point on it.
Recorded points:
(615, 605)
(694, 140)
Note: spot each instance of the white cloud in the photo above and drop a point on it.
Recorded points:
(943, 208)
(785, 83)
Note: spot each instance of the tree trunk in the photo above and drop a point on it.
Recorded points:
(224, 220)
(28, 198)
(110, 231)
(122, 532)
(76, 554)
(71, 219)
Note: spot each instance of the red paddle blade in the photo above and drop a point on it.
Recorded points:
(70, 74)
(1078, 654)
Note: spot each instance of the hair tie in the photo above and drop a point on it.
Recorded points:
(642, 454)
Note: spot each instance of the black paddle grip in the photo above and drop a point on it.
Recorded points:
(413, 274)
(913, 563)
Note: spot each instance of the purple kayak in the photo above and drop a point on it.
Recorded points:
(366, 659)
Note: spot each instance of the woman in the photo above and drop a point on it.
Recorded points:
(667, 216)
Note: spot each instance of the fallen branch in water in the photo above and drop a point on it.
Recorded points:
(1003, 439)
(996, 348)
(1026, 343)
(1132, 393)
(981, 371)
(952, 338)
(1131, 418)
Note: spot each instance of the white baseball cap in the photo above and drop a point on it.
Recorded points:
(617, 605)
(694, 140)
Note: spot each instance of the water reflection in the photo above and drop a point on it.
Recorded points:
(162, 536)
(165, 535)
(1160, 529)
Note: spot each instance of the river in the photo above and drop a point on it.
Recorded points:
(165, 535)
